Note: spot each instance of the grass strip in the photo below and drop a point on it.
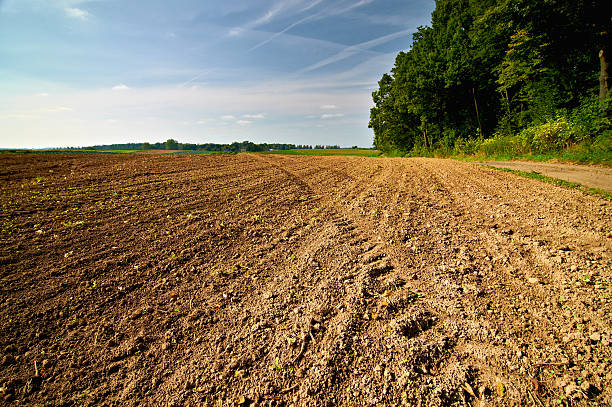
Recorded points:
(200, 152)
(556, 181)
(357, 152)
(567, 157)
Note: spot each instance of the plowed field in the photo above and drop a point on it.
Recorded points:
(304, 281)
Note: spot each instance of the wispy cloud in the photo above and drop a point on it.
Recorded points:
(342, 8)
(329, 107)
(331, 115)
(270, 14)
(196, 77)
(56, 109)
(354, 49)
(77, 13)
(254, 116)
(311, 5)
(280, 7)
(228, 117)
(244, 122)
(121, 86)
(36, 113)
(19, 116)
(350, 7)
(283, 31)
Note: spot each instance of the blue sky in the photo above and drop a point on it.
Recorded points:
(85, 72)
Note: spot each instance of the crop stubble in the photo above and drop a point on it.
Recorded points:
(290, 280)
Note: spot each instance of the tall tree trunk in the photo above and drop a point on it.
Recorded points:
(477, 114)
(603, 77)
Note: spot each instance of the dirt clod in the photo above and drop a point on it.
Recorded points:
(595, 337)
(8, 360)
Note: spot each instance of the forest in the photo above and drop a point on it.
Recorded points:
(511, 76)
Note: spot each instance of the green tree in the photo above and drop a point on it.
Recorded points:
(485, 66)
(172, 144)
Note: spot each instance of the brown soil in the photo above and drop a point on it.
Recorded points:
(305, 281)
(590, 176)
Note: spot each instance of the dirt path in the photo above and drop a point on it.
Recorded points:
(594, 177)
(304, 281)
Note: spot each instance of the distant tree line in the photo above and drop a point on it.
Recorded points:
(171, 144)
(487, 68)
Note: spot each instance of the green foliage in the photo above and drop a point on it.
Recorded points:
(487, 70)
(467, 146)
(555, 135)
(234, 147)
(503, 145)
(584, 135)
(172, 144)
(592, 118)
(522, 63)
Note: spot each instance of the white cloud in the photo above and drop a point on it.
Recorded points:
(244, 122)
(19, 116)
(254, 116)
(77, 13)
(42, 94)
(56, 109)
(234, 32)
(329, 107)
(331, 115)
(121, 86)
(36, 113)
(228, 117)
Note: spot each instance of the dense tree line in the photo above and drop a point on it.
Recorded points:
(171, 144)
(488, 67)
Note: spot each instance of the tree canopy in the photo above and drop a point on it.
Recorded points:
(487, 66)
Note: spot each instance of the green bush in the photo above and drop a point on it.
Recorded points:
(503, 145)
(591, 118)
(602, 144)
(554, 135)
(467, 147)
